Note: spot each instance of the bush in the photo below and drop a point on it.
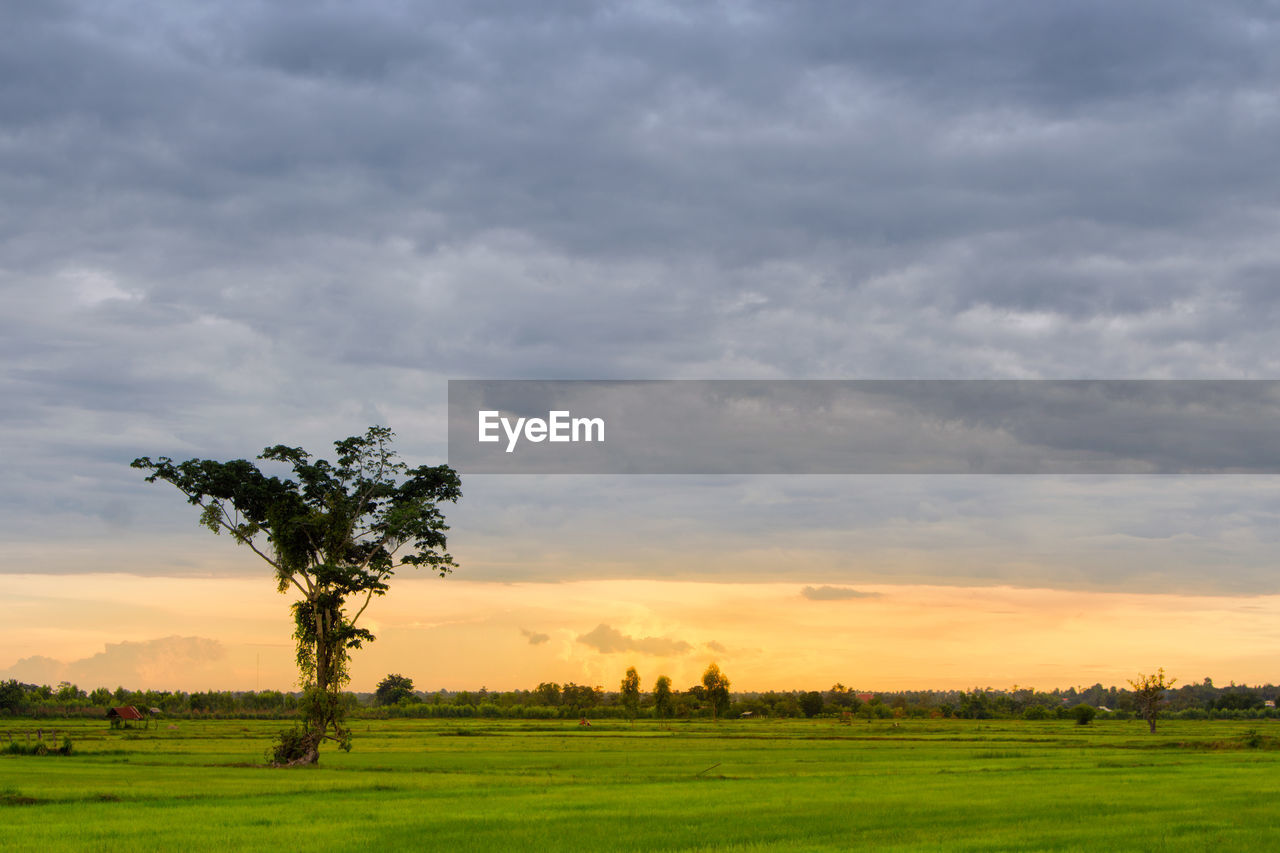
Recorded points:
(539, 712)
(295, 746)
(1084, 714)
(1036, 712)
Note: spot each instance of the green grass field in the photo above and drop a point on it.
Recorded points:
(737, 785)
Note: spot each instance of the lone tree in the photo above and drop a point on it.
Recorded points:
(335, 534)
(1148, 693)
(630, 692)
(392, 689)
(717, 687)
(662, 697)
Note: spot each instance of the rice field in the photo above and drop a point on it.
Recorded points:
(736, 785)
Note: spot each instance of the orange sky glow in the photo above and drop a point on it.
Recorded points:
(106, 630)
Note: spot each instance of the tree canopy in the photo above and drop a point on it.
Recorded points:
(662, 696)
(335, 533)
(1148, 693)
(629, 692)
(716, 684)
(392, 689)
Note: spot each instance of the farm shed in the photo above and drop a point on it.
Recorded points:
(127, 712)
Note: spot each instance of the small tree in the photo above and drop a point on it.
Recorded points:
(548, 693)
(630, 692)
(581, 697)
(335, 535)
(662, 697)
(717, 686)
(841, 696)
(1148, 693)
(68, 692)
(392, 689)
(811, 703)
(1084, 714)
(12, 697)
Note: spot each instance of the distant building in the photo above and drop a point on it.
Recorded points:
(1270, 703)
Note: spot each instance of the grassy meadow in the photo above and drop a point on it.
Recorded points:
(737, 785)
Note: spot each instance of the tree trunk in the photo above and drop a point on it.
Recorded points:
(322, 650)
(311, 756)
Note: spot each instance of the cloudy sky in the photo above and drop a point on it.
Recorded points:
(229, 226)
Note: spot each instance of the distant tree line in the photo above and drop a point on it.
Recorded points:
(67, 699)
(710, 698)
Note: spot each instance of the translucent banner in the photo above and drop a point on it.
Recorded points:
(864, 426)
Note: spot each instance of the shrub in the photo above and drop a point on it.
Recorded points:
(1084, 714)
(297, 746)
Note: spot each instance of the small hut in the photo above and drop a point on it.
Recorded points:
(128, 712)
(124, 714)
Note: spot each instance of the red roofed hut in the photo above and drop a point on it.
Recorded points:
(123, 714)
(128, 712)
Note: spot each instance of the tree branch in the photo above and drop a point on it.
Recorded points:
(367, 598)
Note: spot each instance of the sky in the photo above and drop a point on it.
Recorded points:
(232, 226)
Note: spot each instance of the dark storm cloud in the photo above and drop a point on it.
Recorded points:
(222, 227)
(604, 157)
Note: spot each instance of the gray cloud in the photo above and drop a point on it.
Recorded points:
(224, 231)
(1205, 534)
(835, 593)
(607, 639)
(534, 638)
